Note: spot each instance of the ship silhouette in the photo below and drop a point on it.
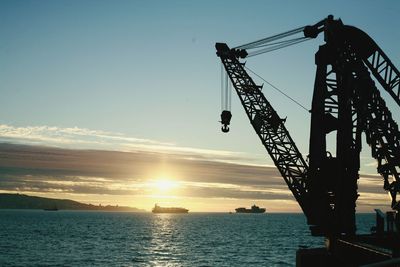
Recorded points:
(158, 209)
(253, 209)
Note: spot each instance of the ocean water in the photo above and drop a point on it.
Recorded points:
(80, 238)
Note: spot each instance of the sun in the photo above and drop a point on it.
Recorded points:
(164, 184)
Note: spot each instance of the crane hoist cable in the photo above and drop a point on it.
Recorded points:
(270, 39)
(226, 90)
(271, 43)
(279, 46)
(226, 97)
(279, 90)
(255, 48)
(278, 43)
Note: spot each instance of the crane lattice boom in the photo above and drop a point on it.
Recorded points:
(345, 101)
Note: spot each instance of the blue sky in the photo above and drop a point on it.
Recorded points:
(148, 69)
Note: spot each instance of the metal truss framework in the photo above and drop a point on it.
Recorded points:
(345, 101)
(269, 127)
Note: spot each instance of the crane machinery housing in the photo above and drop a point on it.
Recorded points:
(345, 101)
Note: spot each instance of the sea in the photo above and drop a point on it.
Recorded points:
(88, 238)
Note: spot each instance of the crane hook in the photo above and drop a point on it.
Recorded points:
(225, 128)
(226, 116)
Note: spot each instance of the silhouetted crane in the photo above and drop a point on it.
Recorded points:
(345, 100)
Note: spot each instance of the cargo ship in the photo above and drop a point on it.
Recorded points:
(253, 209)
(54, 208)
(158, 209)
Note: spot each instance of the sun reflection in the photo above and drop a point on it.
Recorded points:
(167, 240)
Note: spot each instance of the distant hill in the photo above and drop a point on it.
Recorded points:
(19, 201)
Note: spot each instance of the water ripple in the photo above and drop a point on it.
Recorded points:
(72, 238)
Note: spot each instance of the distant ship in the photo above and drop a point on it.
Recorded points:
(158, 209)
(51, 209)
(254, 209)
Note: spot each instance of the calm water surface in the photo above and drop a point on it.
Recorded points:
(78, 238)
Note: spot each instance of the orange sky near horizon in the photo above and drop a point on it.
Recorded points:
(141, 179)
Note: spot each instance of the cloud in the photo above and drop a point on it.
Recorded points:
(38, 134)
(94, 139)
(40, 169)
(51, 163)
(45, 169)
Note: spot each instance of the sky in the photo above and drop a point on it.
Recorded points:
(118, 102)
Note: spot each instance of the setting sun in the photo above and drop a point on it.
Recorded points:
(164, 184)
